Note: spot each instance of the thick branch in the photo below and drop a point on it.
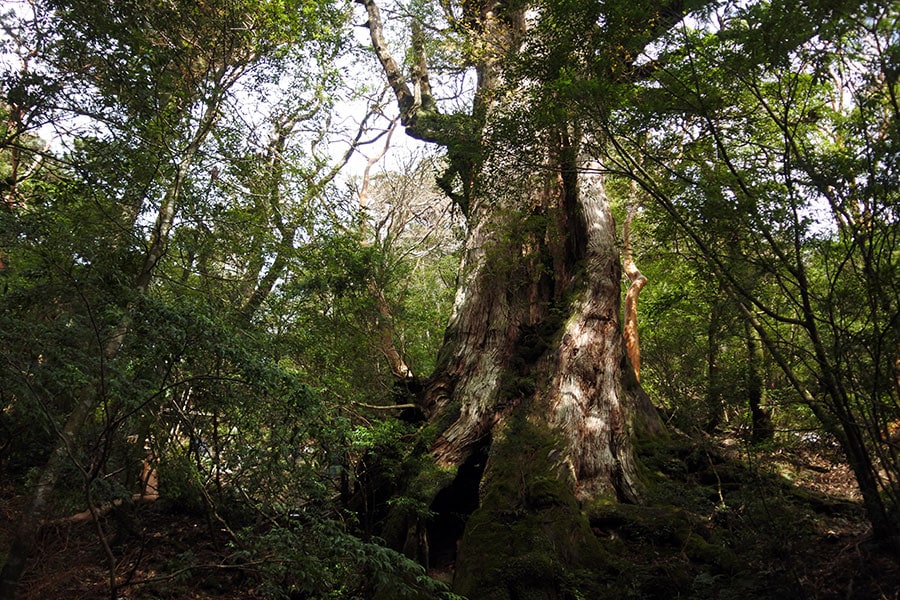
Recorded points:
(418, 110)
(397, 364)
(394, 74)
(422, 91)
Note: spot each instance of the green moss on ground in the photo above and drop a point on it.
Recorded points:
(714, 527)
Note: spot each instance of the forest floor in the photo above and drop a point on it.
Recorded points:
(726, 523)
(779, 523)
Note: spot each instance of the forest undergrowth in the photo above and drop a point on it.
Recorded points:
(724, 521)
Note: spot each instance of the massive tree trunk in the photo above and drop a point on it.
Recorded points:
(534, 377)
(533, 407)
(536, 323)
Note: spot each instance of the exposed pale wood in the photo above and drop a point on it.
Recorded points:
(385, 407)
(371, 162)
(637, 282)
(99, 511)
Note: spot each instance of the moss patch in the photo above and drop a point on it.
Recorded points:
(404, 523)
(529, 538)
(430, 433)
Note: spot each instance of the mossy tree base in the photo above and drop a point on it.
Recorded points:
(529, 537)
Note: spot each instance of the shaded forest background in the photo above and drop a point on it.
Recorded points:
(223, 292)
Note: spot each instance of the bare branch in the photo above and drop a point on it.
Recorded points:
(364, 187)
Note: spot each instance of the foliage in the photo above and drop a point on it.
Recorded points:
(320, 560)
(769, 155)
(177, 255)
(200, 285)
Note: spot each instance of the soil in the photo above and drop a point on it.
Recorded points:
(760, 524)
